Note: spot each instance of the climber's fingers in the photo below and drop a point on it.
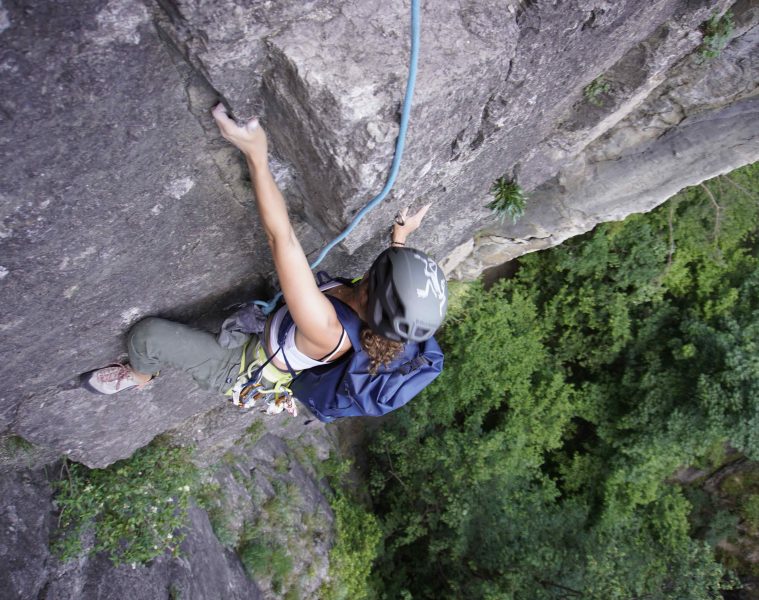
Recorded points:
(409, 224)
(248, 138)
(222, 119)
(416, 219)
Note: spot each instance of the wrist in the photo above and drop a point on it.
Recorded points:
(398, 233)
(256, 161)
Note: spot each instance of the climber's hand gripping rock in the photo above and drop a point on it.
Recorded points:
(405, 225)
(250, 138)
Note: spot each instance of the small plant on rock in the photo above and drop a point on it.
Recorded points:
(717, 33)
(264, 557)
(509, 199)
(14, 446)
(210, 499)
(136, 507)
(594, 91)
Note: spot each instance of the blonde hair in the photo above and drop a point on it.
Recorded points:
(381, 350)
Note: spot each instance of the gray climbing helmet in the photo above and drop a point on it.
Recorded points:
(408, 295)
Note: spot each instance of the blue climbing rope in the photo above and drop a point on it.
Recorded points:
(400, 143)
(396, 164)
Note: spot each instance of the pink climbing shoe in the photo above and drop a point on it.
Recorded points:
(110, 380)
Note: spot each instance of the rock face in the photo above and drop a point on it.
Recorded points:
(697, 120)
(264, 485)
(120, 200)
(205, 569)
(25, 521)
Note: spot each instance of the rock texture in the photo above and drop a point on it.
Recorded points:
(120, 200)
(712, 143)
(205, 570)
(25, 521)
(695, 120)
(271, 488)
(264, 484)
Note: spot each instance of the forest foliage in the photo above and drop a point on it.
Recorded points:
(136, 509)
(538, 464)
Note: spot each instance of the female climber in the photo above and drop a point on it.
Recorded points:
(401, 298)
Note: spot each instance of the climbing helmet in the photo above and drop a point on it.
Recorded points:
(408, 295)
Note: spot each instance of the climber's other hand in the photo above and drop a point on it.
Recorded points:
(404, 225)
(412, 222)
(249, 138)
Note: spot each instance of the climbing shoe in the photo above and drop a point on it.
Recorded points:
(110, 380)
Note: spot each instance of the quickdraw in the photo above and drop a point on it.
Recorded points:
(262, 381)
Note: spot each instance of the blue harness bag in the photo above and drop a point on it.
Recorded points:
(345, 388)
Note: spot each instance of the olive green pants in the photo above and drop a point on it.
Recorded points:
(154, 344)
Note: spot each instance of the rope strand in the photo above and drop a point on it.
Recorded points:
(396, 164)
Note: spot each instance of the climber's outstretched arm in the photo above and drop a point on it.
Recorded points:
(313, 314)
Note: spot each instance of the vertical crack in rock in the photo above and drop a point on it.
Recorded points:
(167, 14)
(184, 44)
(508, 71)
(12, 426)
(171, 10)
(201, 95)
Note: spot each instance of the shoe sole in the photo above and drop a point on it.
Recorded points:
(85, 384)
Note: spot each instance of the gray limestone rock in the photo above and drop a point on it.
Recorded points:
(25, 523)
(98, 430)
(271, 496)
(713, 143)
(120, 200)
(265, 483)
(700, 122)
(204, 570)
(17, 453)
(110, 186)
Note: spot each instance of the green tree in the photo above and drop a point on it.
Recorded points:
(536, 465)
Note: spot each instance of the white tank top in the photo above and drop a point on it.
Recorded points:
(296, 359)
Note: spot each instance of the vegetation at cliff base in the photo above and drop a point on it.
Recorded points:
(539, 464)
(136, 508)
(357, 537)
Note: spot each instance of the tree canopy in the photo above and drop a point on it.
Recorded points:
(537, 465)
